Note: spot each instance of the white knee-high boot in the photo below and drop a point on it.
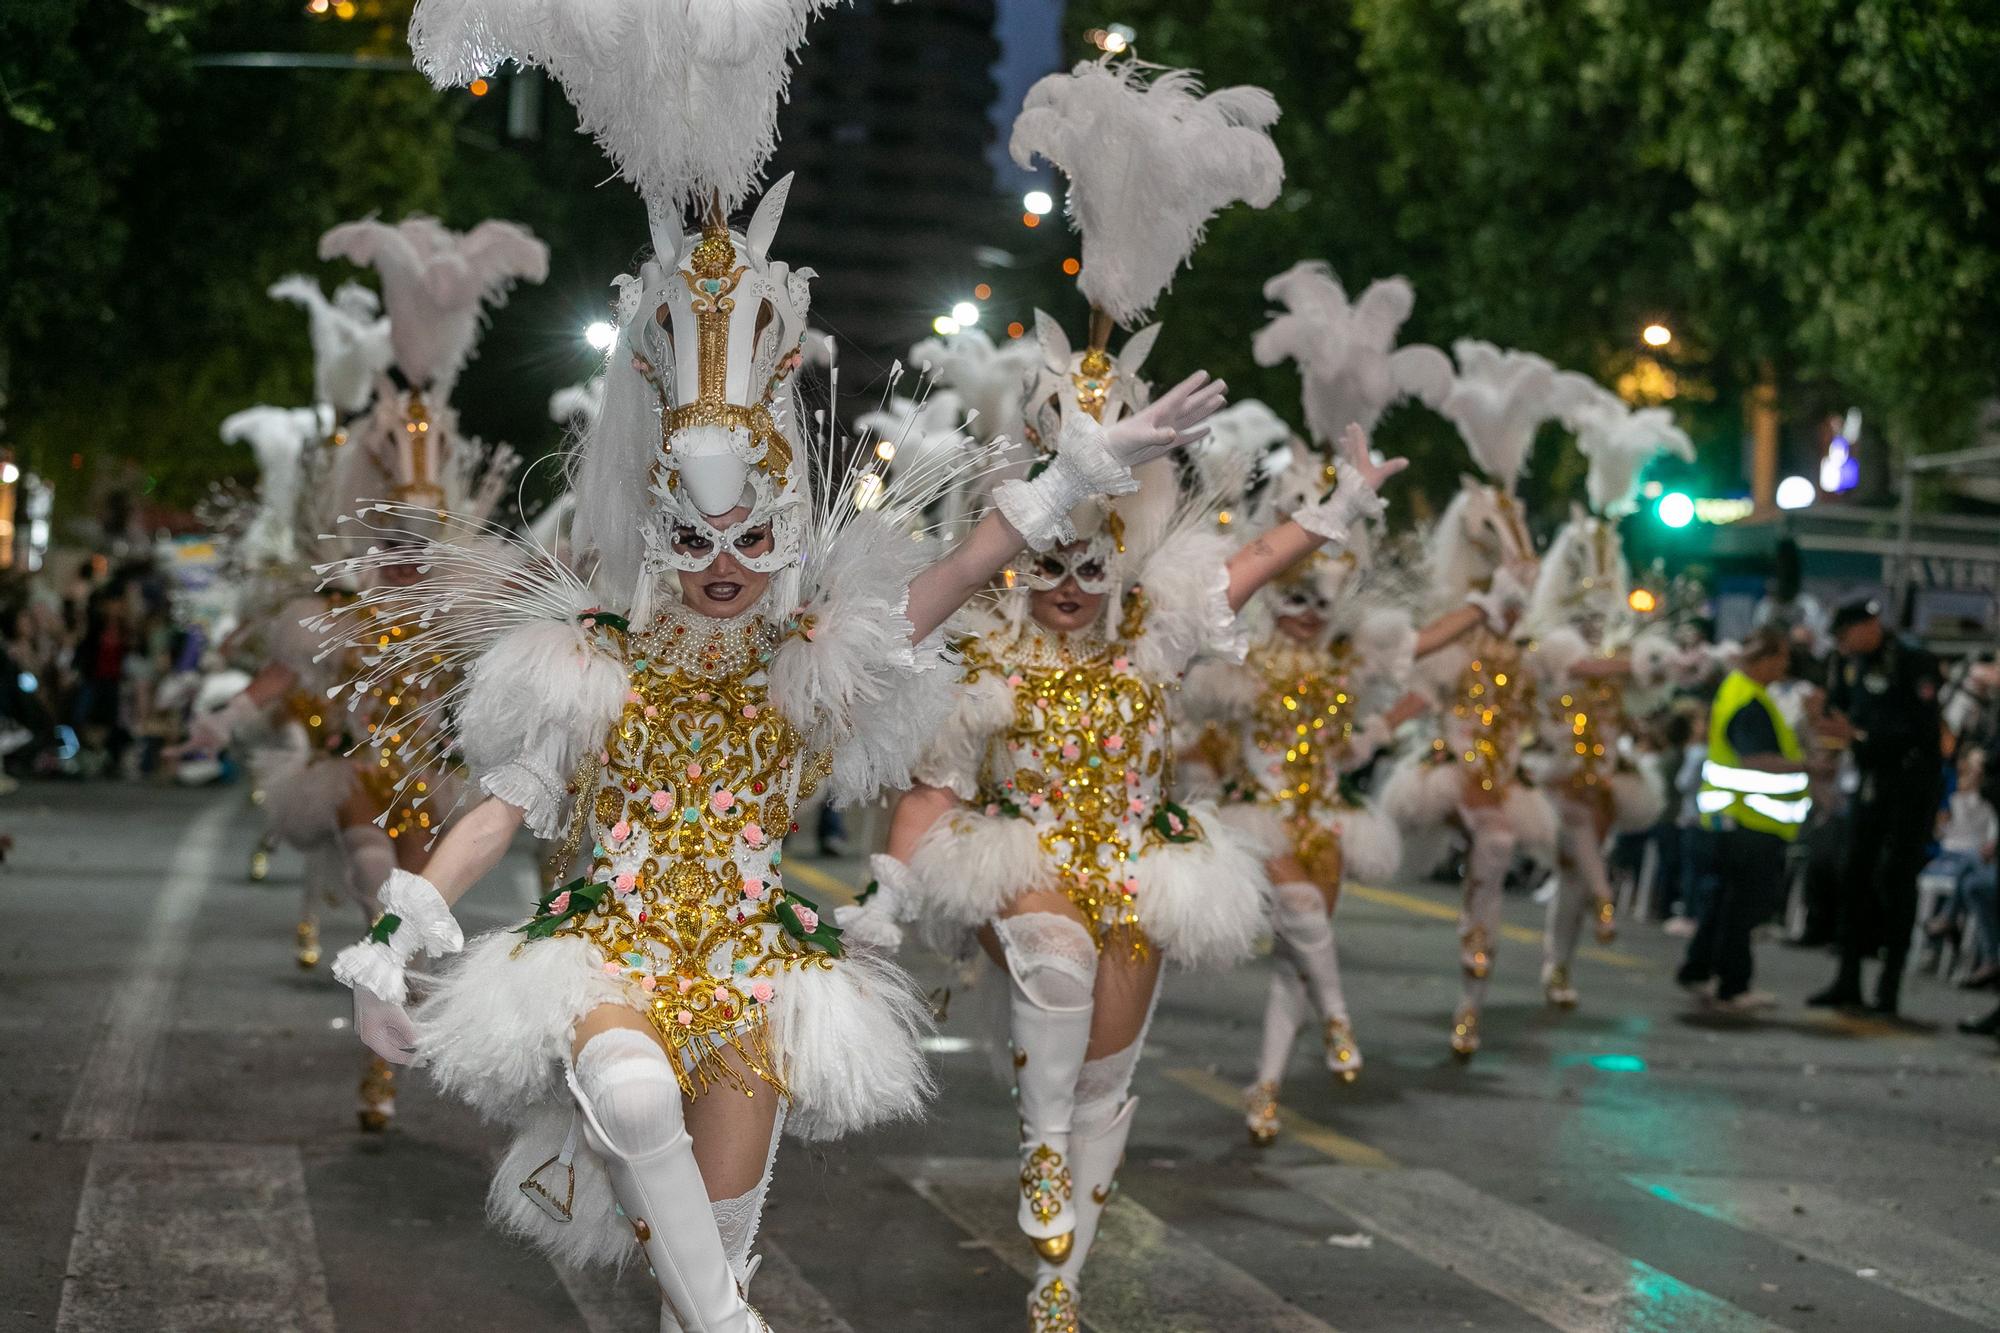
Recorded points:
(1103, 1123)
(1052, 963)
(1306, 928)
(1285, 1012)
(1486, 865)
(631, 1106)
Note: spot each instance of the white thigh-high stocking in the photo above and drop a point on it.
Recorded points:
(370, 856)
(631, 1105)
(1304, 925)
(1052, 962)
(1486, 865)
(1285, 1011)
(1104, 1114)
(737, 1219)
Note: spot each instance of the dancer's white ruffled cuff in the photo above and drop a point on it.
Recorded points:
(424, 924)
(1083, 467)
(877, 923)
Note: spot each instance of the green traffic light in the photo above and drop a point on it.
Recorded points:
(1676, 509)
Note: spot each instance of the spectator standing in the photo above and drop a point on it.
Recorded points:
(1752, 803)
(1883, 700)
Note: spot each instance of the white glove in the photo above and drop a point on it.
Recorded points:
(210, 733)
(1357, 496)
(415, 921)
(384, 1027)
(1503, 601)
(1092, 460)
(874, 924)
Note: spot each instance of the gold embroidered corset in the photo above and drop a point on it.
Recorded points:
(398, 725)
(1584, 725)
(1301, 730)
(1494, 701)
(680, 819)
(1087, 759)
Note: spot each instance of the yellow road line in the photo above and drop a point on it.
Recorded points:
(821, 880)
(1410, 902)
(1333, 1144)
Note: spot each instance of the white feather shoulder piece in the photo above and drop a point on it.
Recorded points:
(1150, 159)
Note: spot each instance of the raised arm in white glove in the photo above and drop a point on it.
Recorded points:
(1094, 460)
(1505, 597)
(1357, 496)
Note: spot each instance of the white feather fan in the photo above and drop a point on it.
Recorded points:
(1346, 351)
(682, 95)
(1617, 441)
(437, 283)
(350, 341)
(1149, 162)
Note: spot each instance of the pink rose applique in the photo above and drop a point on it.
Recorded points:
(753, 834)
(626, 882)
(1114, 743)
(808, 919)
(753, 889)
(620, 831)
(721, 801)
(660, 801)
(560, 903)
(761, 992)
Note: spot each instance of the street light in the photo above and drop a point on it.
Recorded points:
(1657, 335)
(600, 335)
(1796, 493)
(965, 314)
(944, 326)
(1037, 202)
(1676, 509)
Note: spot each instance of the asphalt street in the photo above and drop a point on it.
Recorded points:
(179, 1151)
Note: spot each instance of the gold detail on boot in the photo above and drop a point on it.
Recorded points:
(378, 1096)
(308, 940)
(1475, 953)
(1341, 1050)
(260, 865)
(1607, 922)
(1558, 990)
(1045, 1185)
(1052, 1309)
(1101, 1194)
(641, 1230)
(1464, 1035)
(1260, 1106)
(1055, 1249)
(1020, 1058)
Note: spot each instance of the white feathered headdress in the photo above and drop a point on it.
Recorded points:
(682, 95)
(1498, 401)
(350, 340)
(1617, 441)
(1149, 160)
(280, 437)
(1346, 351)
(437, 284)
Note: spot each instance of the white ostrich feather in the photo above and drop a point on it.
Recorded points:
(1149, 160)
(350, 341)
(1346, 351)
(437, 284)
(988, 379)
(1498, 400)
(682, 95)
(577, 406)
(1617, 441)
(279, 437)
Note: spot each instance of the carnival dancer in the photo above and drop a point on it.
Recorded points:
(673, 1002)
(1470, 784)
(1073, 856)
(356, 811)
(1600, 658)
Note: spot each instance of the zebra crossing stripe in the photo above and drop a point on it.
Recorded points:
(630, 1303)
(1143, 1276)
(1565, 1279)
(1298, 1128)
(194, 1237)
(1910, 1260)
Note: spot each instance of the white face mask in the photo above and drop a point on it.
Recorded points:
(1089, 565)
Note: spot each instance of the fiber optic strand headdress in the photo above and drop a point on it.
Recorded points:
(699, 415)
(1149, 159)
(437, 285)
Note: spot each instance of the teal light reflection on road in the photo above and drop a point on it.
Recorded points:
(1610, 1064)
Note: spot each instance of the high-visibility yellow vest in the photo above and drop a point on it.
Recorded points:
(1774, 803)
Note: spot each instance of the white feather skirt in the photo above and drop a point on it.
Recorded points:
(1371, 847)
(1255, 825)
(495, 1030)
(1424, 798)
(1203, 903)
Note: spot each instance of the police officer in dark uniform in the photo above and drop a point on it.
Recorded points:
(1883, 699)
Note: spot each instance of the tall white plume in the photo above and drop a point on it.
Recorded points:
(437, 284)
(1498, 401)
(1346, 352)
(349, 335)
(279, 437)
(1617, 441)
(682, 95)
(988, 379)
(577, 406)
(1149, 160)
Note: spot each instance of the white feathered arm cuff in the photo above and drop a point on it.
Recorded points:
(1502, 602)
(415, 921)
(890, 899)
(1083, 467)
